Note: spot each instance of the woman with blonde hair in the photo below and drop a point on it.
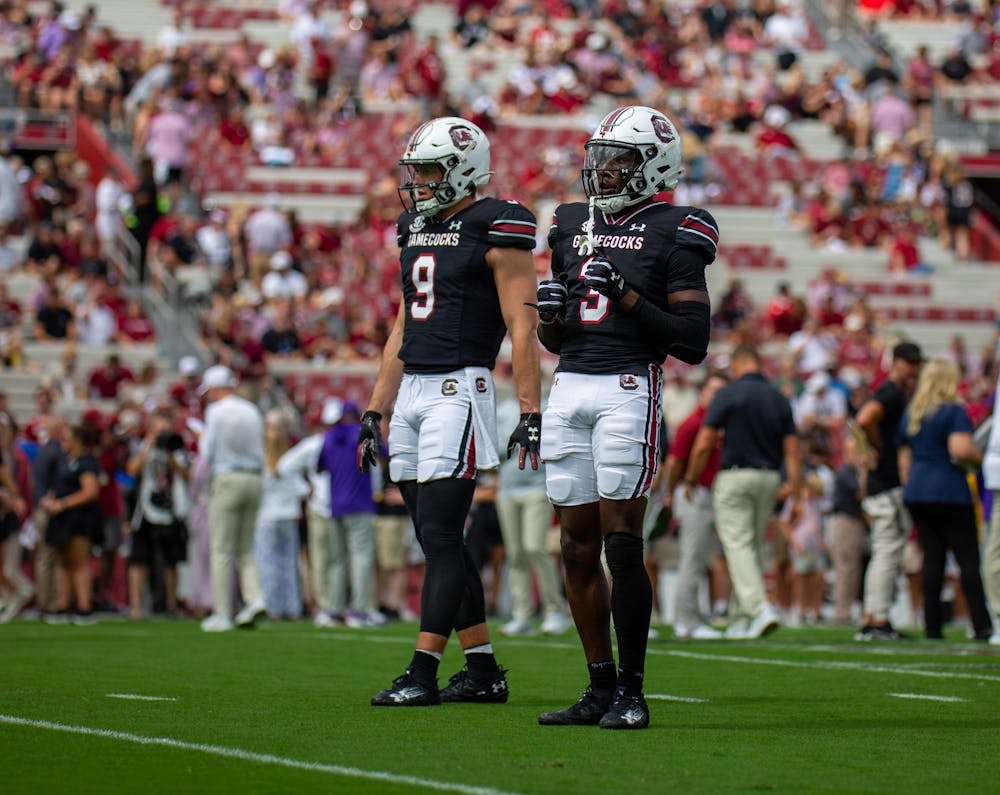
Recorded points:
(936, 449)
(276, 541)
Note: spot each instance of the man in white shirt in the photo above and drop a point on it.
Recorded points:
(267, 230)
(303, 459)
(991, 557)
(283, 281)
(233, 446)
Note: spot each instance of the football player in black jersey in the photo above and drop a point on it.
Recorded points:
(468, 277)
(627, 290)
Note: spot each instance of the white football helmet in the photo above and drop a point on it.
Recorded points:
(460, 148)
(634, 152)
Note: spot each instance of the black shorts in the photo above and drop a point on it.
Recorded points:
(168, 542)
(8, 525)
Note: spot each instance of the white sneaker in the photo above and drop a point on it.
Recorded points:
(517, 626)
(247, 617)
(994, 639)
(738, 629)
(766, 621)
(217, 623)
(556, 623)
(16, 603)
(326, 621)
(705, 632)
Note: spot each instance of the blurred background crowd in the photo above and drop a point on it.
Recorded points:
(243, 215)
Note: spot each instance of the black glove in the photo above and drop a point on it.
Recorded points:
(551, 296)
(528, 436)
(369, 440)
(603, 277)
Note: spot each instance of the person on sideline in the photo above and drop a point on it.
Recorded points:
(525, 515)
(848, 532)
(467, 276)
(276, 540)
(627, 289)
(758, 436)
(991, 557)
(935, 448)
(695, 517)
(233, 444)
(888, 519)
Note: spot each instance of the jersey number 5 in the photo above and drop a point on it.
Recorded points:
(422, 277)
(593, 308)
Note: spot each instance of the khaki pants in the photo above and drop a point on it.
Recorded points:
(991, 562)
(697, 540)
(233, 502)
(744, 501)
(890, 524)
(353, 545)
(847, 549)
(320, 541)
(524, 524)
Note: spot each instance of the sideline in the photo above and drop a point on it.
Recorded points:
(137, 697)
(925, 697)
(252, 756)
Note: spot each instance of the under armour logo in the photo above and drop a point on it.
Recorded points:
(532, 434)
(454, 226)
(637, 228)
(499, 687)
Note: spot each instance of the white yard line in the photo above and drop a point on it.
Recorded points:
(684, 699)
(137, 697)
(252, 756)
(829, 665)
(925, 697)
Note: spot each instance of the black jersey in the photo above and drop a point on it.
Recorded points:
(453, 317)
(598, 337)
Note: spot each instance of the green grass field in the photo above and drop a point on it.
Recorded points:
(285, 709)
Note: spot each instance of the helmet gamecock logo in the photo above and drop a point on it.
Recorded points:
(462, 137)
(662, 129)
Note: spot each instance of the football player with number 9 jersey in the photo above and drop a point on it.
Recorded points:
(468, 278)
(627, 290)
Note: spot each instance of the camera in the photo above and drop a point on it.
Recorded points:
(169, 441)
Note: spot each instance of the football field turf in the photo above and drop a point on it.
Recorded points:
(160, 707)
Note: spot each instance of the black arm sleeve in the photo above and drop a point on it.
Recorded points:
(550, 335)
(684, 328)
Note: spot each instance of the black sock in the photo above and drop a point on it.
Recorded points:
(630, 679)
(631, 599)
(481, 660)
(602, 675)
(424, 667)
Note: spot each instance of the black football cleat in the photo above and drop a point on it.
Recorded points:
(627, 711)
(407, 692)
(588, 711)
(477, 687)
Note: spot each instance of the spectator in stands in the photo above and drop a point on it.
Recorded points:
(105, 381)
(10, 309)
(284, 281)
(786, 30)
(882, 71)
(167, 140)
(784, 311)
(955, 67)
(759, 436)
(891, 115)
(11, 254)
(267, 231)
(145, 211)
(233, 445)
(213, 241)
(919, 80)
(276, 540)
(54, 320)
(134, 327)
(773, 139)
(936, 451)
(281, 338)
(74, 523)
(96, 325)
(959, 200)
(43, 253)
(879, 420)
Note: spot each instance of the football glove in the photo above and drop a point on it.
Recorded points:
(551, 296)
(527, 436)
(369, 440)
(603, 277)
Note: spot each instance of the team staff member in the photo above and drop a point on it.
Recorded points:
(614, 314)
(888, 518)
(468, 277)
(233, 445)
(758, 434)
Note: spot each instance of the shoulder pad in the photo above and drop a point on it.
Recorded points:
(698, 231)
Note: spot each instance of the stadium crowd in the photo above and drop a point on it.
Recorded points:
(268, 287)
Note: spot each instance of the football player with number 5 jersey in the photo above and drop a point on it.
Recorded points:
(468, 278)
(627, 290)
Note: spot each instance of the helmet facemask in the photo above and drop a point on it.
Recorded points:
(443, 194)
(613, 175)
